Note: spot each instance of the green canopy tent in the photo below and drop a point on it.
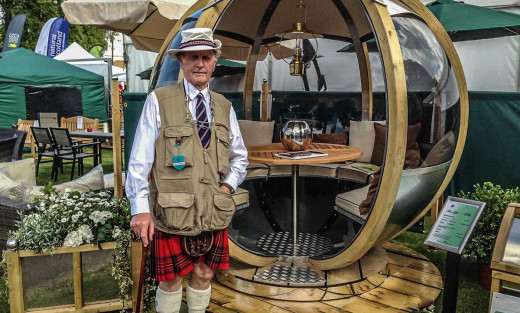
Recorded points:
(464, 21)
(32, 83)
(224, 67)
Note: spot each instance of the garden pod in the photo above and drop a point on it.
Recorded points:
(369, 60)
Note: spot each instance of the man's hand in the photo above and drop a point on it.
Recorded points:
(222, 187)
(142, 225)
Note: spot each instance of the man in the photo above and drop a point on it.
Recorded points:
(189, 140)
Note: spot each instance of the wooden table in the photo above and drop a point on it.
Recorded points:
(267, 154)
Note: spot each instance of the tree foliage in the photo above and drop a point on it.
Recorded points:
(40, 11)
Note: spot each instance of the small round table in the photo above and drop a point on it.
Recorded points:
(267, 154)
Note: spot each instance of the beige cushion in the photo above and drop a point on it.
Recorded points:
(350, 200)
(280, 170)
(362, 135)
(356, 171)
(10, 189)
(93, 180)
(29, 192)
(21, 171)
(256, 133)
(442, 151)
(241, 197)
(324, 170)
(109, 180)
(257, 170)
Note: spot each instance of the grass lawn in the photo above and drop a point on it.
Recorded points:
(44, 173)
(471, 296)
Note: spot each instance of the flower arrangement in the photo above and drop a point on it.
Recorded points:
(72, 219)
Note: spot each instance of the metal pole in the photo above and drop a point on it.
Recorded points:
(449, 299)
(295, 204)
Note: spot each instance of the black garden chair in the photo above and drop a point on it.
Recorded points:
(67, 150)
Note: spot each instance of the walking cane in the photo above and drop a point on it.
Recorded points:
(141, 277)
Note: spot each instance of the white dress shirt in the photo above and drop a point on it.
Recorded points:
(143, 149)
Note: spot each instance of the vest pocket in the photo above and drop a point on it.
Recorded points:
(177, 210)
(223, 143)
(184, 136)
(225, 208)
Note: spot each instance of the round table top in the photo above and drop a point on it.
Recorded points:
(335, 153)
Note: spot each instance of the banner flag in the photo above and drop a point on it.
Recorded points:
(43, 40)
(13, 35)
(58, 37)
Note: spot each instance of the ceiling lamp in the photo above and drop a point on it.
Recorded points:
(299, 32)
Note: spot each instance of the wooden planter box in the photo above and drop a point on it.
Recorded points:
(15, 268)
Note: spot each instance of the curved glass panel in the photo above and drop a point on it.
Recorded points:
(433, 120)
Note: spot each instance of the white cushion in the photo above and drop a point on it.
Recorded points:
(350, 200)
(362, 136)
(280, 170)
(93, 180)
(241, 197)
(356, 171)
(21, 171)
(255, 132)
(30, 192)
(257, 170)
(10, 189)
(324, 170)
(109, 180)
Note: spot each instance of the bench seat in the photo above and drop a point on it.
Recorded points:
(347, 203)
(351, 171)
(321, 170)
(241, 198)
(257, 170)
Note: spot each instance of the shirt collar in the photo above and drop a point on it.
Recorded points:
(192, 92)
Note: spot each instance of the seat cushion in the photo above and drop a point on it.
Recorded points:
(350, 201)
(442, 151)
(323, 170)
(335, 138)
(257, 170)
(93, 180)
(280, 170)
(356, 171)
(362, 136)
(10, 189)
(255, 132)
(413, 153)
(21, 171)
(241, 197)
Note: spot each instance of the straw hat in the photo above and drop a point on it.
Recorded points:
(196, 39)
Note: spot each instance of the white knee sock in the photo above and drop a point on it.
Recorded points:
(168, 302)
(198, 300)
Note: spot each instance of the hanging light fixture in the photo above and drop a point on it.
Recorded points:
(299, 32)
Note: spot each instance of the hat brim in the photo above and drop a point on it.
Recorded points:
(173, 52)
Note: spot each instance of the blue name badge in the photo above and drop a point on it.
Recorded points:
(178, 162)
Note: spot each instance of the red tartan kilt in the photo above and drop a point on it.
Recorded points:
(169, 259)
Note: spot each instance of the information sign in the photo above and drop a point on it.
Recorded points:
(454, 224)
(502, 303)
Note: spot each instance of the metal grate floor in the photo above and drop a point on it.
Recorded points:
(287, 274)
(281, 244)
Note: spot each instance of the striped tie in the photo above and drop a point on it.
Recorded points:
(202, 118)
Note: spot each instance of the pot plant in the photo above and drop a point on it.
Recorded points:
(482, 241)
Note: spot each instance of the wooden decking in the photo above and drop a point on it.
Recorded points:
(411, 282)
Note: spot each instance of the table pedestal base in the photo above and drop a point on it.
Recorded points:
(281, 243)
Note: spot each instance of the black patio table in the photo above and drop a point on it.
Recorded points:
(96, 135)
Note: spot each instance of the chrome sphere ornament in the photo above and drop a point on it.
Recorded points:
(12, 244)
(296, 135)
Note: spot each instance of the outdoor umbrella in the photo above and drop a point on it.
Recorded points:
(147, 22)
(464, 21)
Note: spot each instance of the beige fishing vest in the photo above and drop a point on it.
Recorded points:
(189, 201)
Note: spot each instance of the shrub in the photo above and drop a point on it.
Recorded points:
(481, 243)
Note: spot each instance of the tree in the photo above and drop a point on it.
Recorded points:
(40, 11)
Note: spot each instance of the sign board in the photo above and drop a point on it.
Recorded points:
(502, 303)
(454, 224)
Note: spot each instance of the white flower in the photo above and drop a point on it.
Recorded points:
(63, 219)
(116, 232)
(78, 237)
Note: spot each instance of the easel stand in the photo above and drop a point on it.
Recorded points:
(449, 299)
